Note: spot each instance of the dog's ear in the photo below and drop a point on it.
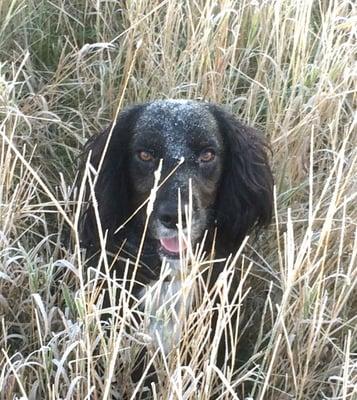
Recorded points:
(111, 184)
(245, 195)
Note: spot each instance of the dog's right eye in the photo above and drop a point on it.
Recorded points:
(145, 156)
(207, 156)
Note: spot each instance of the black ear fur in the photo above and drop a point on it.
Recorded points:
(245, 196)
(111, 188)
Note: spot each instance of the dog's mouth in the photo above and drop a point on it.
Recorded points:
(171, 246)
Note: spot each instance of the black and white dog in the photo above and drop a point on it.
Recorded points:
(210, 159)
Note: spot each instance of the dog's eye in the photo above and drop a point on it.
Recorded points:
(207, 156)
(145, 156)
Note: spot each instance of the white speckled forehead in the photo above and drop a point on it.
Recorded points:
(176, 121)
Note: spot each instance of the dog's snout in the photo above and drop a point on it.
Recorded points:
(169, 217)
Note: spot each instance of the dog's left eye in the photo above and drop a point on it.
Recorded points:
(145, 156)
(207, 155)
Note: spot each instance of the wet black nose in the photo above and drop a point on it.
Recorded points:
(168, 216)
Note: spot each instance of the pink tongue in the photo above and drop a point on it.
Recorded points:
(172, 244)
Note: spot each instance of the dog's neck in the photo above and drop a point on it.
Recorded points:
(166, 306)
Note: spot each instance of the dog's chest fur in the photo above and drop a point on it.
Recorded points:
(166, 304)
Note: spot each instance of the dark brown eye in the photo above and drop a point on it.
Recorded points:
(207, 156)
(145, 156)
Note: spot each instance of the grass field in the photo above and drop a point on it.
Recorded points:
(286, 67)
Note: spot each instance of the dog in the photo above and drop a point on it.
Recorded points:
(206, 158)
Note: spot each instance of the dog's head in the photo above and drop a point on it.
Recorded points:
(211, 161)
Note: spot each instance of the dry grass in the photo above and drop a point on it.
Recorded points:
(287, 67)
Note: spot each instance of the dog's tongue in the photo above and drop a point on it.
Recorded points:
(172, 244)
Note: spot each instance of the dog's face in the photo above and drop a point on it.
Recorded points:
(186, 137)
(215, 163)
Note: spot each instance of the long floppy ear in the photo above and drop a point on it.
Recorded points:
(245, 198)
(111, 188)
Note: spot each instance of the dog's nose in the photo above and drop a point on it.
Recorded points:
(168, 216)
